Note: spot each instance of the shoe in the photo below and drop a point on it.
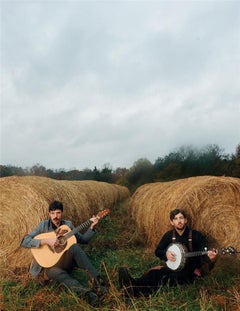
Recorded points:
(126, 282)
(92, 298)
(99, 287)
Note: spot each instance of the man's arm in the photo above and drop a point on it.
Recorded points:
(161, 249)
(83, 238)
(211, 256)
(28, 241)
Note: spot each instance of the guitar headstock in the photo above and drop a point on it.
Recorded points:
(103, 213)
(228, 250)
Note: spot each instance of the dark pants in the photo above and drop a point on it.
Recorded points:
(61, 272)
(155, 278)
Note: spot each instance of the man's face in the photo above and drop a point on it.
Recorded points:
(56, 217)
(179, 222)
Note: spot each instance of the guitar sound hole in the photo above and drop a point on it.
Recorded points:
(61, 246)
(61, 240)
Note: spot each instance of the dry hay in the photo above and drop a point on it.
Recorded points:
(212, 203)
(24, 203)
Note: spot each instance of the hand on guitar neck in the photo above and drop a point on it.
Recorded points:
(212, 254)
(94, 220)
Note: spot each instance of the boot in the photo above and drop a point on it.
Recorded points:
(99, 287)
(127, 283)
(92, 298)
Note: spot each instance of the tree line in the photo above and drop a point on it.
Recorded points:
(187, 161)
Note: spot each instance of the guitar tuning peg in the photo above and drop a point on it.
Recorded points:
(231, 250)
(228, 250)
(223, 250)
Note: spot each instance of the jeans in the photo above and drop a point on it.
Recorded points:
(61, 272)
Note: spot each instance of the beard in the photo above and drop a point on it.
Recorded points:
(56, 221)
(181, 227)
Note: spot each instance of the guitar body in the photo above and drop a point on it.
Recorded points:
(46, 256)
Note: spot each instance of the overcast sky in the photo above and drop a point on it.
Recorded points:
(89, 83)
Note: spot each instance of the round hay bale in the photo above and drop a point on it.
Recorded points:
(212, 204)
(24, 203)
(21, 208)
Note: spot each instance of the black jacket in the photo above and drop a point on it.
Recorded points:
(198, 244)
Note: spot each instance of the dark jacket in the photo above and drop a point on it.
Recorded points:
(198, 244)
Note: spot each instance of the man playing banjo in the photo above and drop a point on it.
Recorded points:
(182, 249)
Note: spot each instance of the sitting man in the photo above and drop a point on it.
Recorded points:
(73, 257)
(192, 240)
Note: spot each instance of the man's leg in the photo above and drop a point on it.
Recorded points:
(63, 277)
(144, 285)
(180, 277)
(78, 256)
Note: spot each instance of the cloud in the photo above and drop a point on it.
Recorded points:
(89, 83)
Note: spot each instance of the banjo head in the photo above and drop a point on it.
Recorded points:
(179, 250)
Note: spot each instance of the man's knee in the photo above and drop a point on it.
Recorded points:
(53, 272)
(75, 248)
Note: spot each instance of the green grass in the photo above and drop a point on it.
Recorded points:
(117, 243)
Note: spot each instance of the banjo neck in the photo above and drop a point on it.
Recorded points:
(194, 254)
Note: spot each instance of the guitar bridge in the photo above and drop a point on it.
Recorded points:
(51, 249)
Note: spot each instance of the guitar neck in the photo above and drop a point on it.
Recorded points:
(75, 230)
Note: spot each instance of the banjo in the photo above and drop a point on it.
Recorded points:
(182, 255)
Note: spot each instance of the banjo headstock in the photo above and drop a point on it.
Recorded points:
(228, 250)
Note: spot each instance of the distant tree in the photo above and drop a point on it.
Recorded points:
(236, 170)
(119, 176)
(106, 173)
(188, 161)
(140, 173)
(210, 160)
(9, 170)
(232, 165)
(238, 151)
(50, 173)
(38, 170)
(60, 174)
(96, 174)
(5, 171)
(169, 172)
(184, 162)
(178, 164)
(74, 175)
(87, 174)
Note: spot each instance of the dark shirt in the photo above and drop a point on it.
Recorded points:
(198, 244)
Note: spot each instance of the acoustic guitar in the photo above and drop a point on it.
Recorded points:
(47, 256)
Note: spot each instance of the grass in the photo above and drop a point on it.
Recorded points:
(116, 244)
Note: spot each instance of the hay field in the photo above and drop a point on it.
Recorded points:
(24, 203)
(213, 204)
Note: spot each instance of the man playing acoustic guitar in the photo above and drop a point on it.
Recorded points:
(59, 257)
(173, 248)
